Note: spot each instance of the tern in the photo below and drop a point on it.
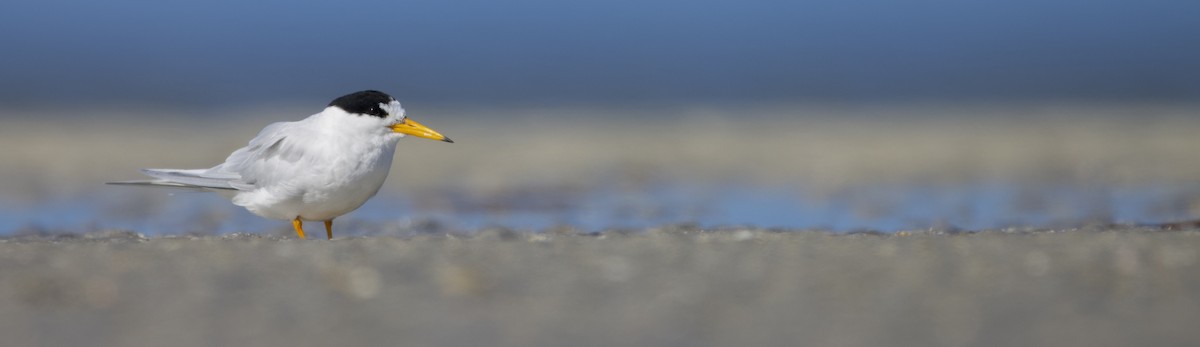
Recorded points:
(314, 169)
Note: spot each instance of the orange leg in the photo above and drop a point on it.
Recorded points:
(329, 229)
(296, 223)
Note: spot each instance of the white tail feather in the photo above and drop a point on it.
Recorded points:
(173, 178)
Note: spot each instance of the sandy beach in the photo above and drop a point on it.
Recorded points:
(661, 287)
(1080, 275)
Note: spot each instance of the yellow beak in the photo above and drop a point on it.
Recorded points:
(411, 127)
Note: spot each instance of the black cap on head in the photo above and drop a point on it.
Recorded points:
(364, 102)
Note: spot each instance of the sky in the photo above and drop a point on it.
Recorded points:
(543, 51)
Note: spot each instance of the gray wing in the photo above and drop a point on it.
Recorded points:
(270, 156)
(275, 154)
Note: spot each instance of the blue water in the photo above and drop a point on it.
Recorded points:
(536, 51)
(885, 208)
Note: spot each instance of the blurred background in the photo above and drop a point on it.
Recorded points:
(833, 115)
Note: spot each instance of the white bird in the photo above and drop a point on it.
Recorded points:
(315, 169)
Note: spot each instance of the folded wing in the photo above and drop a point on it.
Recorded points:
(270, 156)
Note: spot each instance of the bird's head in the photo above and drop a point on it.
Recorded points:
(379, 112)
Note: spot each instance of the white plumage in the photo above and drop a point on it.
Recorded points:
(315, 169)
